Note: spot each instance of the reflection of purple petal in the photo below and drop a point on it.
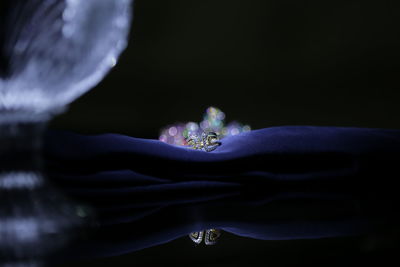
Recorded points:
(52, 51)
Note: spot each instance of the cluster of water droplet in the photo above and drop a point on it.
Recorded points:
(213, 121)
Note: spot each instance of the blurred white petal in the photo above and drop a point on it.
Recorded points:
(53, 51)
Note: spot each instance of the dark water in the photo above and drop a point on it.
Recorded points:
(330, 235)
(231, 250)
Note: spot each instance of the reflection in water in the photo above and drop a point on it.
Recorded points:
(35, 220)
(20, 180)
(23, 264)
(134, 218)
(210, 236)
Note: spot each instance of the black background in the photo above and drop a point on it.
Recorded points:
(265, 63)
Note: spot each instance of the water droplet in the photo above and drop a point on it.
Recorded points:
(173, 131)
(235, 131)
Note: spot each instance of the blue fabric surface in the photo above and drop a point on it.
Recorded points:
(274, 183)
